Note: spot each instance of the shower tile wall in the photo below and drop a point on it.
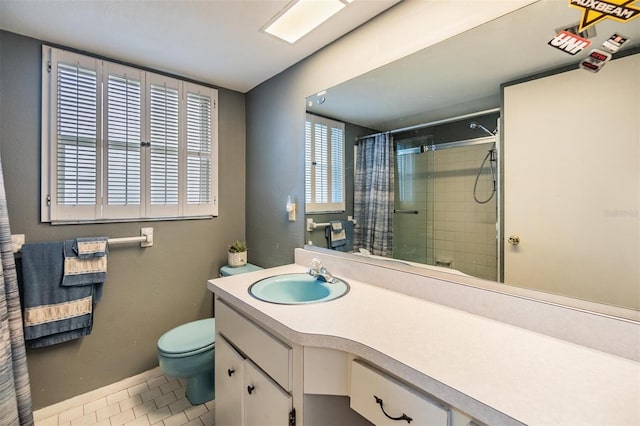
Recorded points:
(462, 230)
(450, 224)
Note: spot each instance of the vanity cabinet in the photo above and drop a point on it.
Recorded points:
(252, 373)
(255, 386)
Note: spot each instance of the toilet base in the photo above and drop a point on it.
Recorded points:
(200, 388)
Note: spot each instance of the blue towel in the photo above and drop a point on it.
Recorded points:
(338, 235)
(344, 242)
(52, 313)
(84, 271)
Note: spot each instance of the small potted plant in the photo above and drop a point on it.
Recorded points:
(237, 254)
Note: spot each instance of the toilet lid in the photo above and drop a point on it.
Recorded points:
(189, 337)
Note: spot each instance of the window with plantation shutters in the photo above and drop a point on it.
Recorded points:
(324, 165)
(123, 143)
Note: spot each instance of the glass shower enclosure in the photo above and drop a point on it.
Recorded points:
(446, 203)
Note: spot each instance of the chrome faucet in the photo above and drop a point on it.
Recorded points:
(319, 271)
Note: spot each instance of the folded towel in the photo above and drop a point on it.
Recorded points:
(52, 313)
(88, 271)
(90, 247)
(347, 225)
(340, 235)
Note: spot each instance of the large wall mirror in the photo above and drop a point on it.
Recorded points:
(508, 161)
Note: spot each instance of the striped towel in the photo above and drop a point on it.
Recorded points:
(52, 313)
(84, 271)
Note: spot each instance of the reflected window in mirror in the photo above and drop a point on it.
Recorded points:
(324, 165)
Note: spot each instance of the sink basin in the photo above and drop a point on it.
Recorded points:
(297, 289)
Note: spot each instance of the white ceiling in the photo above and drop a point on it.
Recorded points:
(463, 74)
(215, 41)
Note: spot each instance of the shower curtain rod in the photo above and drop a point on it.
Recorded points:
(433, 123)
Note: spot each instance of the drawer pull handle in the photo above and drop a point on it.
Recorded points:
(230, 372)
(250, 389)
(402, 417)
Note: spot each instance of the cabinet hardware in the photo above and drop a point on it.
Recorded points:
(230, 372)
(250, 389)
(402, 417)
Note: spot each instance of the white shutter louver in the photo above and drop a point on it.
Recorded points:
(124, 127)
(199, 146)
(76, 135)
(163, 136)
(321, 159)
(309, 165)
(337, 165)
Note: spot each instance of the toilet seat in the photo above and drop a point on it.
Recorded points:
(188, 339)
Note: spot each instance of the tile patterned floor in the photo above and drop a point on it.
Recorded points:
(150, 398)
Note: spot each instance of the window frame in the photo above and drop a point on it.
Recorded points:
(312, 204)
(102, 211)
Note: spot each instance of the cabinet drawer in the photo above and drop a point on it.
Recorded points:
(396, 399)
(269, 353)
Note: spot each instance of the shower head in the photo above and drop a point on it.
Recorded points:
(474, 125)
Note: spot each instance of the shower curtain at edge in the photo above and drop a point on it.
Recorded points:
(374, 194)
(15, 393)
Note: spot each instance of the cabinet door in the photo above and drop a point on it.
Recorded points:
(265, 403)
(229, 368)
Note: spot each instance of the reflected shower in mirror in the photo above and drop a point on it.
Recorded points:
(445, 200)
(504, 167)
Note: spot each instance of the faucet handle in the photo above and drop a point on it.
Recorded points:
(316, 264)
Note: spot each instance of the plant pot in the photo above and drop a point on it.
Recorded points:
(237, 259)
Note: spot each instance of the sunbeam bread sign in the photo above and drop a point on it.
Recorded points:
(594, 11)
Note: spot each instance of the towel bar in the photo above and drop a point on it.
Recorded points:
(311, 225)
(145, 239)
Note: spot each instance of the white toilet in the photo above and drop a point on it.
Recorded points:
(188, 352)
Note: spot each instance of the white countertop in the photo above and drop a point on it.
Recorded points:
(493, 371)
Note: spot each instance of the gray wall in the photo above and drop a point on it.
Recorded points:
(275, 163)
(275, 168)
(148, 291)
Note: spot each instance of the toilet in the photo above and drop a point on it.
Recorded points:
(188, 352)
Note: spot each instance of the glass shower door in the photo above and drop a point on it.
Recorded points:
(445, 214)
(412, 230)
